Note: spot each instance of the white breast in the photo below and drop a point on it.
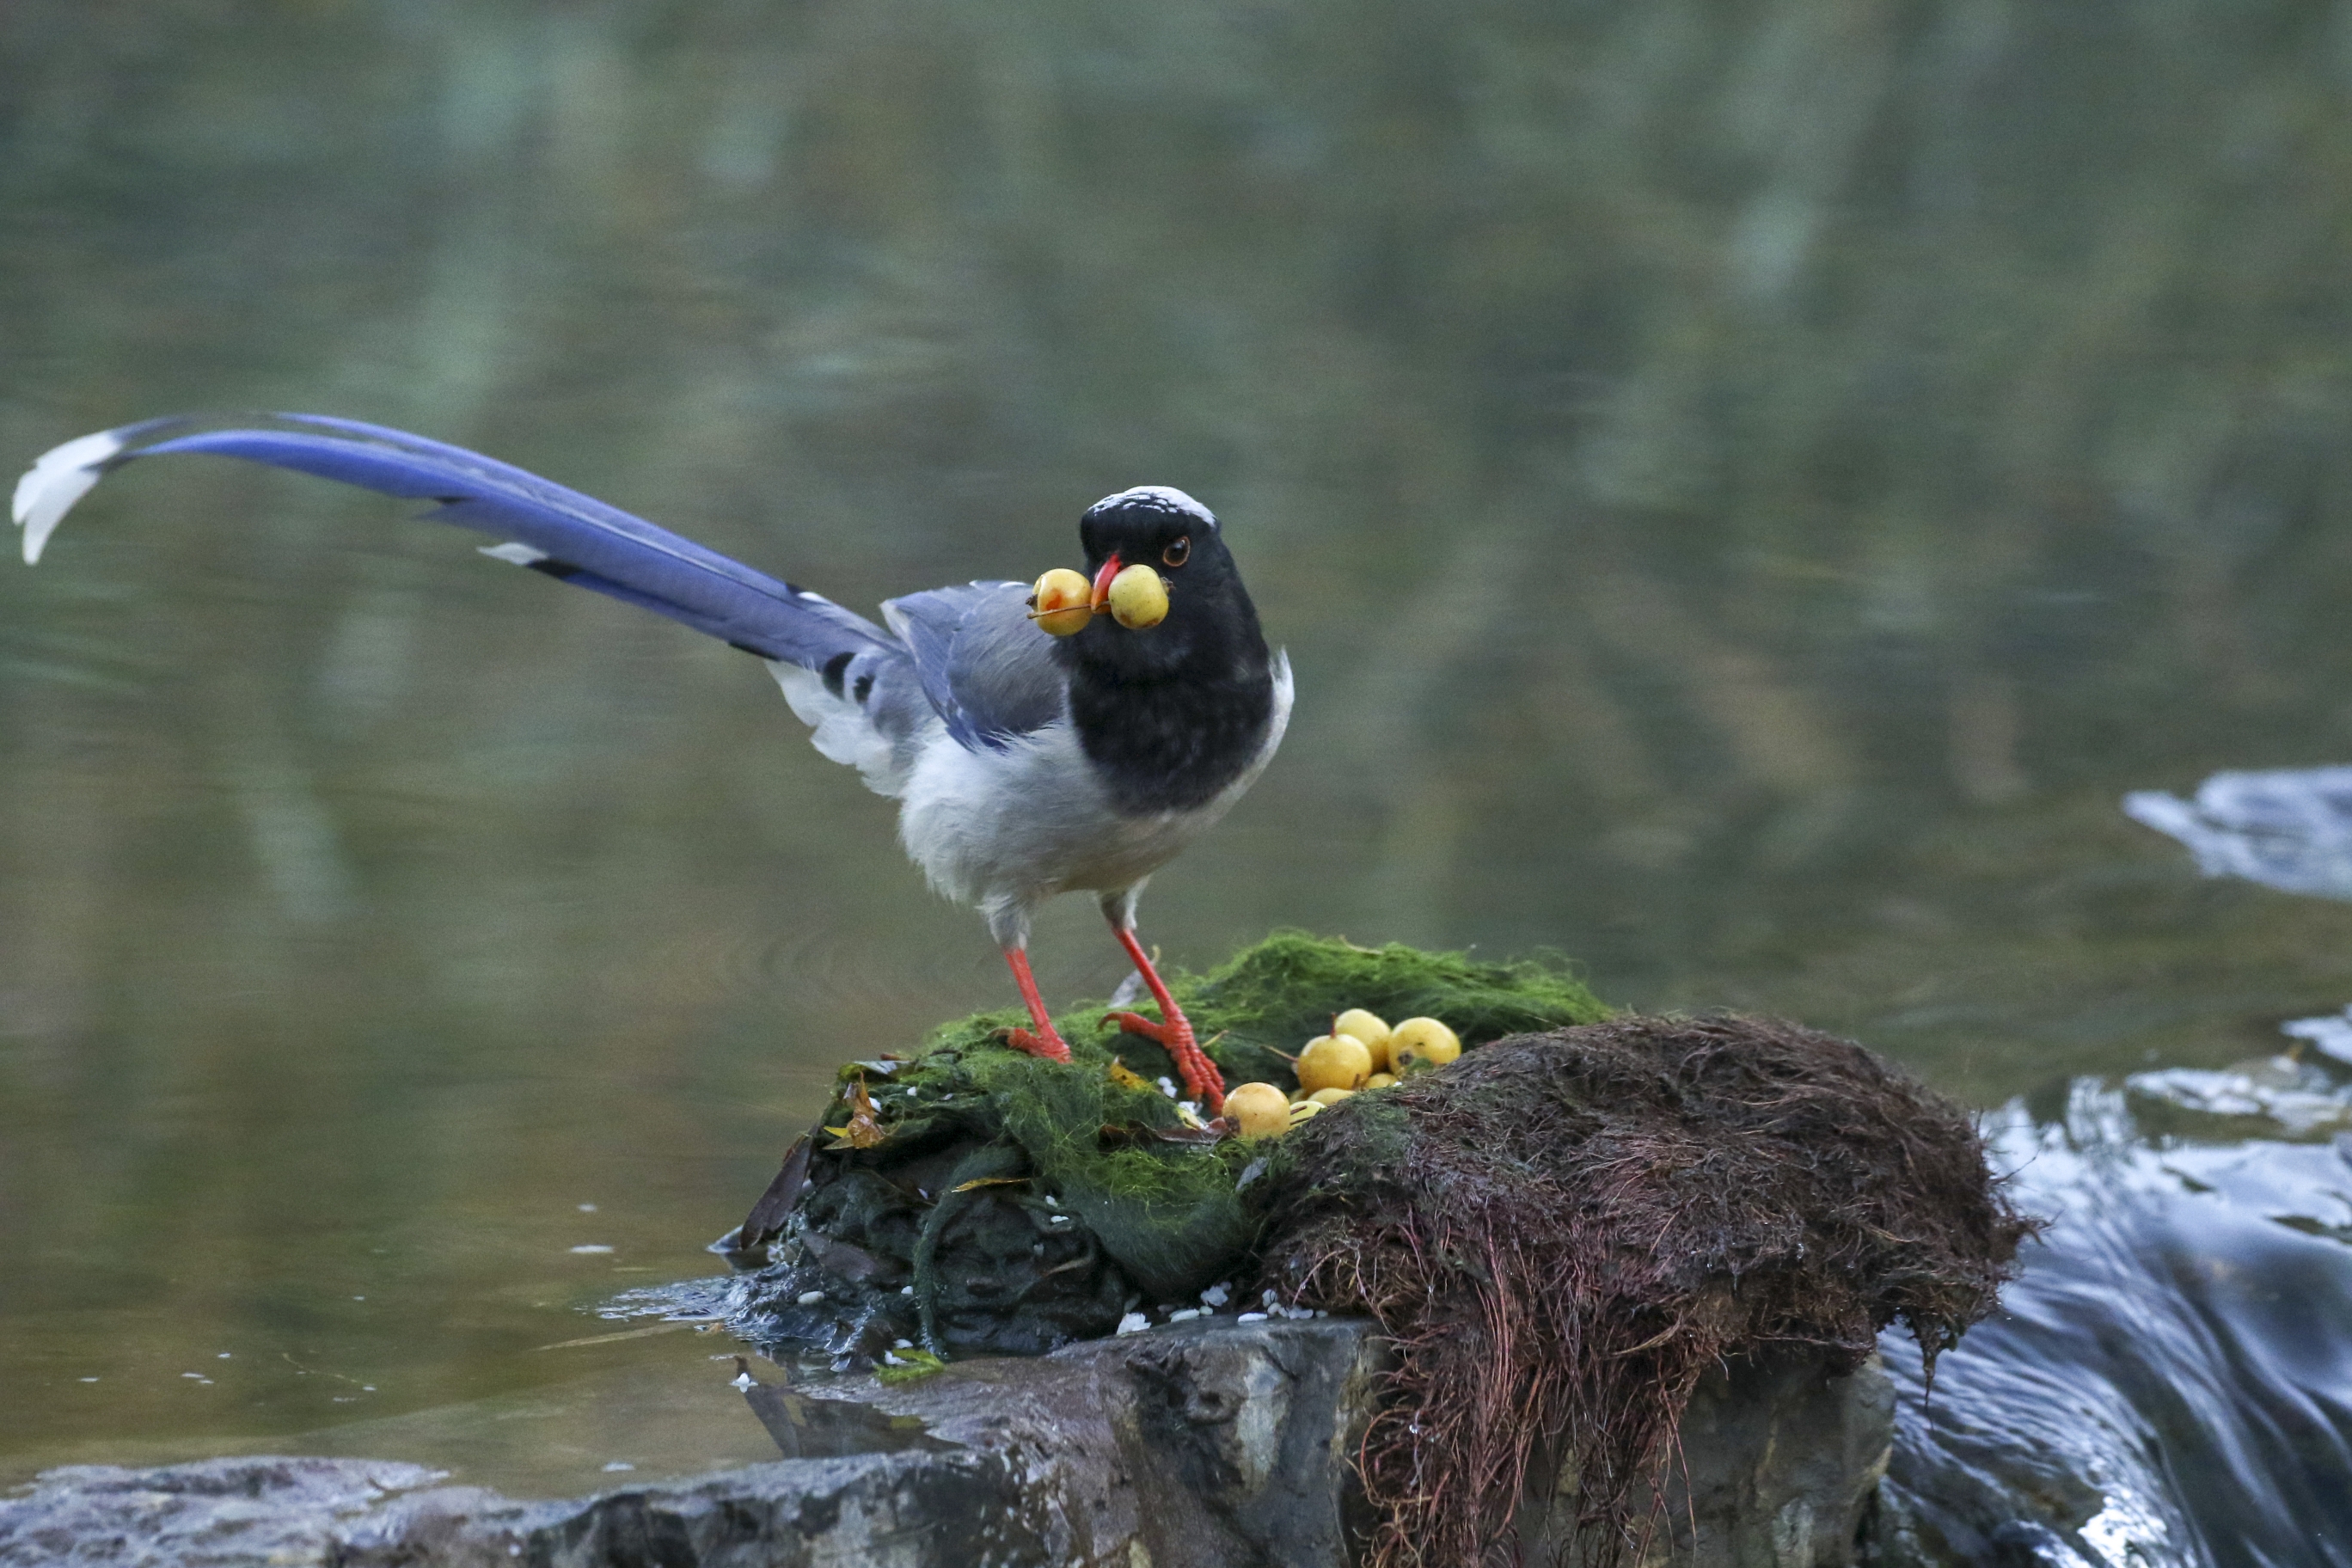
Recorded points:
(1006, 830)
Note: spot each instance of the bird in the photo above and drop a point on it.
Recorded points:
(1027, 765)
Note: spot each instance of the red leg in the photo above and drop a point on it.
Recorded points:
(1202, 1078)
(1044, 1042)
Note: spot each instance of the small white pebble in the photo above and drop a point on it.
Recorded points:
(224, 1356)
(89, 1380)
(905, 1290)
(1217, 1295)
(359, 1298)
(367, 1388)
(1251, 1318)
(1185, 1314)
(1052, 1202)
(890, 1358)
(1134, 1323)
(903, 1344)
(1057, 1219)
(809, 1297)
(587, 1209)
(617, 1466)
(197, 1375)
(592, 1248)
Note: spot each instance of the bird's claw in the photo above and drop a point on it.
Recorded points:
(1047, 1045)
(1202, 1079)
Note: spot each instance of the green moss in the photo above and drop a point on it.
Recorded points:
(1166, 1211)
(913, 1367)
(1282, 993)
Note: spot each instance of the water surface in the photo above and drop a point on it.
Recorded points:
(1746, 489)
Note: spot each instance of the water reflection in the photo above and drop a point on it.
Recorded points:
(811, 1428)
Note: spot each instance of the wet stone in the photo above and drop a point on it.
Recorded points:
(1211, 1443)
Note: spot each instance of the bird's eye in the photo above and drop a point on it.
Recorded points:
(1178, 552)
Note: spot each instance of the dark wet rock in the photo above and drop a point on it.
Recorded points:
(1780, 1467)
(1211, 1443)
(220, 1511)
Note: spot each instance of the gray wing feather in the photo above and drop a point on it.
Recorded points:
(983, 662)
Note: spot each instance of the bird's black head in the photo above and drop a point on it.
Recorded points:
(1167, 714)
(1211, 632)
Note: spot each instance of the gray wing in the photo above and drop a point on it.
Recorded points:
(983, 662)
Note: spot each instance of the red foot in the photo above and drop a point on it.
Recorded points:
(1044, 1042)
(1048, 1044)
(1202, 1079)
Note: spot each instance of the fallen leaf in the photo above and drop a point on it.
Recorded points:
(862, 1130)
(775, 1205)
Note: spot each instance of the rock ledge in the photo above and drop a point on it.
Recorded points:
(1209, 1444)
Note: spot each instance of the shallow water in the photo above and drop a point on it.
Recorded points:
(1746, 492)
(2170, 1381)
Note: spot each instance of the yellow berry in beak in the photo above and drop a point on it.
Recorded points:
(1258, 1110)
(1334, 1061)
(1138, 598)
(1059, 602)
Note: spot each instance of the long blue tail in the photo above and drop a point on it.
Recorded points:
(543, 525)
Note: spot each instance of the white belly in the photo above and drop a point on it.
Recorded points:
(1029, 822)
(1004, 831)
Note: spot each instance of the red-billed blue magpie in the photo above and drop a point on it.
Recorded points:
(1027, 765)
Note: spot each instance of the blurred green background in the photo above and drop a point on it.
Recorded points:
(1746, 486)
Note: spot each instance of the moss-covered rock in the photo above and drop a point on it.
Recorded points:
(1559, 1233)
(1003, 1203)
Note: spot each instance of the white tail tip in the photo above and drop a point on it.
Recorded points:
(58, 478)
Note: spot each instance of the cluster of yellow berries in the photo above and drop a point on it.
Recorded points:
(1359, 1053)
(1062, 601)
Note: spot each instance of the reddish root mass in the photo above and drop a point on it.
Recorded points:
(1560, 1233)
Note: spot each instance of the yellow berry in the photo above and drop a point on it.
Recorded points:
(1381, 1081)
(1422, 1043)
(1328, 1097)
(1059, 601)
(1139, 598)
(1303, 1110)
(1367, 1027)
(1334, 1061)
(1258, 1110)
